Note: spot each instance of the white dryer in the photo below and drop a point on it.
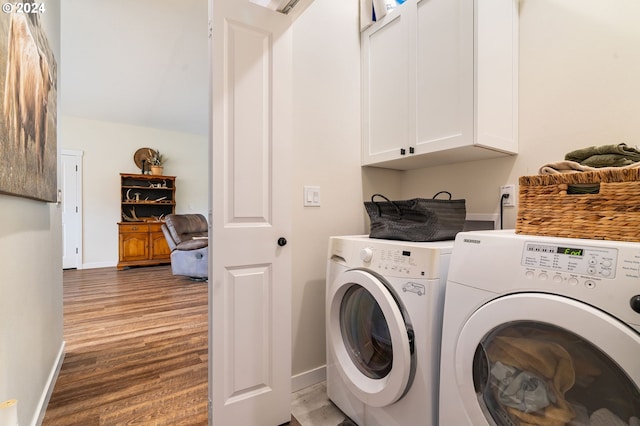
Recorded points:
(384, 303)
(541, 330)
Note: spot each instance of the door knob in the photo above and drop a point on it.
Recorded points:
(282, 241)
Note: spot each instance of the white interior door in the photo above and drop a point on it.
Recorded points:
(250, 273)
(71, 163)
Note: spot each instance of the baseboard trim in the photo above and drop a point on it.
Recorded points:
(96, 265)
(308, 378)
(41, 409)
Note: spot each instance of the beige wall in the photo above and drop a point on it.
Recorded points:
(579, 86)
(326, 86)
(31, 328)
(108, 151)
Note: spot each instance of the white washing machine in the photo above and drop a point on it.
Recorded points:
(541, 330)
(384, 318)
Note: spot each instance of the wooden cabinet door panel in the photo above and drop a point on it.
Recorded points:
(159, 246)
(134, 246)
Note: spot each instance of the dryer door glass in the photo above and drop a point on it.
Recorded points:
(528, 372)
(366, 333)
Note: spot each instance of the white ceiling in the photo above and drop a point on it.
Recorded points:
(140, 62)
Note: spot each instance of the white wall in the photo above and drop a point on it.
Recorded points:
(326, 68)
(579, 86)
(108, 151)
(142, 62)
(31, 327)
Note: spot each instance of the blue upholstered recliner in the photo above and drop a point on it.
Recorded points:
(187, 237)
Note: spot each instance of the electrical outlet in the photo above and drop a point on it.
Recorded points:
(510, 190)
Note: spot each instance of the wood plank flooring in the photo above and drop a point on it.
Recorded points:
(136, 349)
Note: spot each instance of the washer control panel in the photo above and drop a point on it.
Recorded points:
(574, 259)
(404, 260)
(392, 260)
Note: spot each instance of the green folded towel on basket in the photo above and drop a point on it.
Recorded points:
(616, 155)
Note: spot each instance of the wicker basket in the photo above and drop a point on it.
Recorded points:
(548, 205)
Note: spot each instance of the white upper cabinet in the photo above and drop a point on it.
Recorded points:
(440, 83)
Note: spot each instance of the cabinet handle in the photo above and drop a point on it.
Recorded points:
(403, 151)
(412, 150)
(134, 228)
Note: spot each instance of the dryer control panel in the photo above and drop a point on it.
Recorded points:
(575, 259)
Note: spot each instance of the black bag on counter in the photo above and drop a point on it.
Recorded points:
(418, 219)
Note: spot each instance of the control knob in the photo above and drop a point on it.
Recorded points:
(366, 254)
(635, 303)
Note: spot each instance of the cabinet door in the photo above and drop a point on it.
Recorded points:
(440, 81)
(159, 247)
(134, 246)
(496, 74)
(444, 83)
(387, 85)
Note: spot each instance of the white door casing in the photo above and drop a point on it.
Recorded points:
(250, 210)
(71, 163)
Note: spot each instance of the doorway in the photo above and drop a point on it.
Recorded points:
(71, 164)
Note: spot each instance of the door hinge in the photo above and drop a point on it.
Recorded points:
(76, 250)
(76, 209)
(210, 29)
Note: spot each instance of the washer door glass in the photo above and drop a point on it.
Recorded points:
(534, 373)
(366, 333)
(546, 360)
(370, 338)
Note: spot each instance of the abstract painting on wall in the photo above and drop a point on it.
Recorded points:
(28, 105)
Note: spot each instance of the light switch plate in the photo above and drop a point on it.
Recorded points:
(311, 196)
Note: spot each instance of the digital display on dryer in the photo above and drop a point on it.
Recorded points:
(406, 253)
(574, 259)
(570, 251)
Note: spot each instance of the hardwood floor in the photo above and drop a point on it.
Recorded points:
(136, 349)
